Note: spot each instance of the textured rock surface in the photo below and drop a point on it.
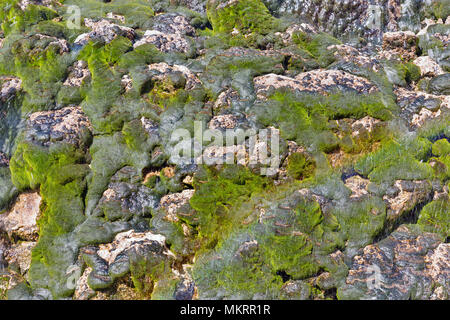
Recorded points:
(239, 149)
(65, 125)
(403, 266)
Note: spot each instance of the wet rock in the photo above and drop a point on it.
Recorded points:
(317, 81)
(77, 73)
(68, 125)
(406, 265)
(117, 17)
(350, 19)
(165, 42)
(225, 100)
(296, 290)
(401, 42)
(173, 203)
(9, 87)
(363, 58)
(82, 290)
(11, 122)
(440, 85)
(173, 23)
(406, 195)
(23, 4)
(19, 255)
(302, 27)
(226, 121)
(164, 72)
(367, 123)
(125, 198)
(116, 259)
(4, 161)
(195, 5)
(20, 221)
(428, 66)
(417, 106)
(50, 41)
(103, 30)
(358, 186)
(126, 82)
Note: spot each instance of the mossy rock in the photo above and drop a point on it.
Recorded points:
(246, 16)
(435, 217)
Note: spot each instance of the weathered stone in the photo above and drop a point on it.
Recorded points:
(9, 87)
(317, 81)
(408, 194)
(20, 221)
(172, 203)
(64, 125)
(428, 66)
(4, 161)
(173, 42)
(19, 255)
(401, 42)
(406, 265)
(164, 71)
(417, 106)
(126, 198)
(440, 85)
(358, 186)
(105, 31)
(77, 73)
(226, 121)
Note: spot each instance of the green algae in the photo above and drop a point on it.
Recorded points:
(60, 174)
(105, 86)
(245, 15)
(304, 118)
(216, 193)
(294, 240)
(397, 160)
(316, 45)
(30, 163)
(237, 71)
(361, 221)
(299, 166)
(435, 217)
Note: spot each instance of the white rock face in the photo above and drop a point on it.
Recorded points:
(428, 67)
(20, 221)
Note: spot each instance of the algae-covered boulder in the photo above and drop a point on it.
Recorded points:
(440, 85)
(402, 266)
(224, 149)
(243, 16)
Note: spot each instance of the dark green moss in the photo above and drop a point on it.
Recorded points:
(435, 217)
(305, 117)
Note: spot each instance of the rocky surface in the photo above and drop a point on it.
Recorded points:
(403, 266)
(206, 149)
(66, 125)
(20, 221)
